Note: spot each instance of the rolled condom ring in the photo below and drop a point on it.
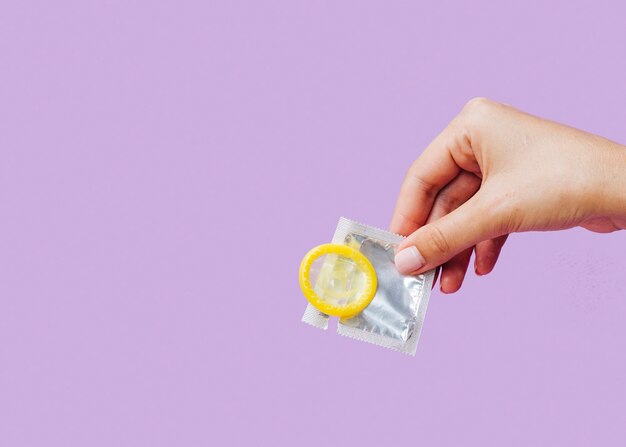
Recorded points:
(344, 280)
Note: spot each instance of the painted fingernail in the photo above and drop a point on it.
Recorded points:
(409, 260)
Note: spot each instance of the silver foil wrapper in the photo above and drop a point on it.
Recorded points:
(395, 316)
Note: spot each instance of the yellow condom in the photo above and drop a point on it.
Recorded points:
(345, 280)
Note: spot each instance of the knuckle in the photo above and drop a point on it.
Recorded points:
(449, 200)
(428, 189)
(476, 116)
(477, 108)
(435, 239)
(446, 199)
(477, 103)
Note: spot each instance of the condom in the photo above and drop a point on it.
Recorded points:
(343, 285)
(355, 278)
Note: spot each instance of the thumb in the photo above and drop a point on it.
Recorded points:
(435, 243)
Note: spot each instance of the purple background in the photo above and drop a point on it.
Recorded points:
(165, 165)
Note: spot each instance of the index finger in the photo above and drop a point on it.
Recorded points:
(433, 170)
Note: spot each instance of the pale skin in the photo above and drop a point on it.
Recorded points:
(495, 170)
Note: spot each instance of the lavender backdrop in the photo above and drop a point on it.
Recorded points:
(165, 165)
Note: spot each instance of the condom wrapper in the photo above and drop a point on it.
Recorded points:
(393, 316)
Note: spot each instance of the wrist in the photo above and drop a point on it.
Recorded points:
(612, 186)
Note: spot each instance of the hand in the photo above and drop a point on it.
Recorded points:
(493, 171)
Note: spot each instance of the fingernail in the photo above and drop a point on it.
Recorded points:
(409, 260)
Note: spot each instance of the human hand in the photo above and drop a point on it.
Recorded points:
(493, 171)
